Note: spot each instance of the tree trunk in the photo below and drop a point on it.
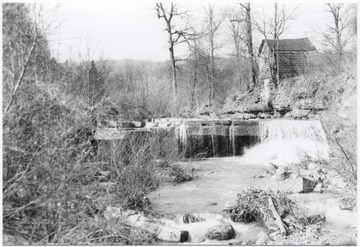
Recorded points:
(250, 45)
(173, 67)
(238, 63)
(212, 63)
(195, 76)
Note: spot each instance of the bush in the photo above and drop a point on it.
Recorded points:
(55, 176)
(181, 174)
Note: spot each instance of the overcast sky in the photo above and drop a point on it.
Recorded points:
(120, 30)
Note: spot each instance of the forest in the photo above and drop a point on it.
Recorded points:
(58, 181)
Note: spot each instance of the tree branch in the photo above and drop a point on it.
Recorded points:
(21, 78)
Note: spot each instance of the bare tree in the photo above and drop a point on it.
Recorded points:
(213, 25)
(193, 45)
(238, 40)
(280, 22)
(338, 35)
(274, 27)
(174, 37)
(249, 41)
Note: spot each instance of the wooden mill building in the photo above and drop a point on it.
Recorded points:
(284, 57)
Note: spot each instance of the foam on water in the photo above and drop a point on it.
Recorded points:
(181, 133)
(286, 142)
(197, 230)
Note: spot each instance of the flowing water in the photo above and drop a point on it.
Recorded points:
(291, 141)
(219, 180)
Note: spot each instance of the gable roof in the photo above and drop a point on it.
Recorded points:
(303, 44)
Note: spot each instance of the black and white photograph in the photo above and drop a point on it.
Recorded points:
(179, 123)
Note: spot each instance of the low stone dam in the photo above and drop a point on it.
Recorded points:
(220, 138)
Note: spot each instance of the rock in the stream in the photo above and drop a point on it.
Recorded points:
(191, 218)
(297, 185)
(347, 203)
(229, 205)
(224, 231)
(163, 232)
(309, 185)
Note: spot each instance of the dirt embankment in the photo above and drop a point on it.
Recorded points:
(300, 97)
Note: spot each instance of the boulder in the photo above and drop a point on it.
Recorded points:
(151, 124)
(138, 124)
(264, 115)
(276, 115)
(347, 203)
(162, 232)
(295, 185)
(309, 185)
(224, 231)
(229, 205)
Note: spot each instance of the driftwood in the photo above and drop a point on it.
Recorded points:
(276, 216)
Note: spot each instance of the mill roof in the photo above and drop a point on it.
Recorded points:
(303, 44)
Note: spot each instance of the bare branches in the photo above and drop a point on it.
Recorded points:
(338, 34)
(277, 25)
(23, 71)
(174, 37)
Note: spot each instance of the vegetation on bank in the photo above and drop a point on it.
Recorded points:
(57, 181)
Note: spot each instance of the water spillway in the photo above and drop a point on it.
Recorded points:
(285, 139)
(219, 138)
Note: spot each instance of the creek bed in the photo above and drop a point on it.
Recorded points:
(219, 180)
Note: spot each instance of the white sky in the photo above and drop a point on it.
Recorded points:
(120, 30)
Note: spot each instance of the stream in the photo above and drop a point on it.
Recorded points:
(218, 181)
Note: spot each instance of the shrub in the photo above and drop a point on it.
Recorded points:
(181, 174)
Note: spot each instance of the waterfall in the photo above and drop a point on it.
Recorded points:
(181, 134)
(286, 142)
(232, 139)
(213, 145)
(292, 129)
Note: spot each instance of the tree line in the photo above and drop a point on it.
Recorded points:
(51, 108)
(202, 42)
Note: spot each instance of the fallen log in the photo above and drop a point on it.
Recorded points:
(276, 216)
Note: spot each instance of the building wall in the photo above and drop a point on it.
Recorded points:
(292, 63)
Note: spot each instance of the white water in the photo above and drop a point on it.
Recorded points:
(232, 138)
(197, 230)
(285, 142)
(218, 180)
(181, 133)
